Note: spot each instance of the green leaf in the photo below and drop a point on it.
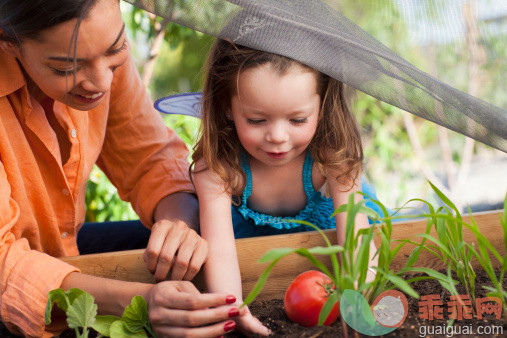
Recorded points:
(446, 281)
(103, 324)
(443, 197)
(318, 264)
(348, 282)
(275, 254)
(73, 294)
(260, 283)
(82, 312)
(314, 227)
(319, 250)
(135, 315)
(328, 306)
(369, 212)
(402, 285)
(57, 296)
(119, 330)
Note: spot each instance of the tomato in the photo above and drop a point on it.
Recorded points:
(306, 296)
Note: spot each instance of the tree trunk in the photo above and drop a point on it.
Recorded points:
(476, 78)
(149, 66)
(443, 133)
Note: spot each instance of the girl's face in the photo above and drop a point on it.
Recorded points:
(101, 48)
(276, 115)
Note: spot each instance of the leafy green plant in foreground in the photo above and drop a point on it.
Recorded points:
(355, 259)
(483, 257)
(81, 311)
(449, 245)
(457, 254)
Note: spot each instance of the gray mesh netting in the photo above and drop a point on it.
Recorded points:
(317, 35)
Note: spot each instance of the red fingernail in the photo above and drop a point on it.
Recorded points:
(233, 312)
(229, 326)
(230, 299)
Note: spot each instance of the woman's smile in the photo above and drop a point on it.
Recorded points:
(88, 98)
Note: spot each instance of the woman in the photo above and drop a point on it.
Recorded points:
(70, 97)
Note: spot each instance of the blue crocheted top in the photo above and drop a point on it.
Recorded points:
(317, 211)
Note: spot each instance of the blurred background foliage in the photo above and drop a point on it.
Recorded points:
(461, 42)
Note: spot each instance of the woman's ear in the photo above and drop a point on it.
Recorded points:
(9, 48)
(229, 115)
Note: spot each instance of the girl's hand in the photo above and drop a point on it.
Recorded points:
(249, 325)
(178, 309)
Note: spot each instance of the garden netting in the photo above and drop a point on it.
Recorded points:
(314, 33)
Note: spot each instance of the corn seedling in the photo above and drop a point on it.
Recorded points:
(355, 259)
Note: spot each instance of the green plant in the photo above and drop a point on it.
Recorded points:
(102, 200)
(449, 245)
(483, 257)
(355, 259)
(81, 312)
(452, 249)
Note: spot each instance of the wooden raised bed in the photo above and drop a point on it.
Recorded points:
(129, 265)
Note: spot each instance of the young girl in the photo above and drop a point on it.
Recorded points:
(276, 139)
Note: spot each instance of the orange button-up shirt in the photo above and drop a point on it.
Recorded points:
(42, 201)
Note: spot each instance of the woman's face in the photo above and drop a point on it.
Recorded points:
(101, 47)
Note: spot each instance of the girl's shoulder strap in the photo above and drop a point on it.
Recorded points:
(248, 186)
(307, 175)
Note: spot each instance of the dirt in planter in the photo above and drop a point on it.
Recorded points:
(272, 314)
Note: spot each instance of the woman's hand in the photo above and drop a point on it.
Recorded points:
(173, 245)
(177, 309)
(249, 325)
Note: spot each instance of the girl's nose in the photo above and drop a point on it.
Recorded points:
(277, 134)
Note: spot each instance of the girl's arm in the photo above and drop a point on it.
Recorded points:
(361, 220)
(221, 270)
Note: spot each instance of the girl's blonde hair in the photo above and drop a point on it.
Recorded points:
(336, 144)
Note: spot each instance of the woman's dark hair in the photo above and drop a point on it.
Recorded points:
(20, 19)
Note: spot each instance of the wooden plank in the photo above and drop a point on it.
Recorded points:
(129, 265)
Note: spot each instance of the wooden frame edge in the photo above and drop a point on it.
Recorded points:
(129, 265)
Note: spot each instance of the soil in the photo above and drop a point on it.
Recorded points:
(272, 314)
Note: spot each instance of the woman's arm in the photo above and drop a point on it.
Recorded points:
(175, 308)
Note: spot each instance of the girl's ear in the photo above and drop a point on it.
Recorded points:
(229, 116)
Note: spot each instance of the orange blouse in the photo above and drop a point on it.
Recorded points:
(42, 202)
